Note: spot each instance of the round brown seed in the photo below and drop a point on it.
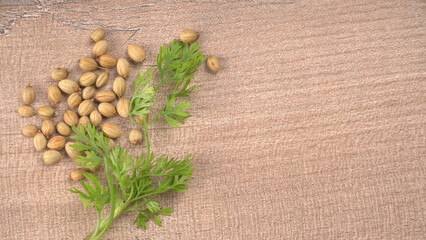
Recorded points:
(119, 86)
(123, 107)
(46, 112)
(111, 130)
(83, 121)
(77, 174)
(123, 67)
(68, 86)
(188, 36)
(105, 96)
(100, 48)
(97, 34)
(107, 109)
(74, 99)
(107, 61)
(88, 64)
(51, 157)
(102, 79)
(70, 118)
(70, 151)
(26, 111)
(39, 141)
(29, 130)
(213, 64)
(85, 107)
(88, 92)
(135, 136)
(87, 79)
(54, 94)
(47, 128)
(59, 74)
(57, 143)
(95, 118)
(136, 52)
(63, 129)
(28, 95)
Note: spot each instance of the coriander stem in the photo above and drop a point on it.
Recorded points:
(145, 130)
(158, 85)
(111, 188)
(134, 121)
(104, 224)
(153, 120)
(136, 206)
(144, 196)
(99, 222)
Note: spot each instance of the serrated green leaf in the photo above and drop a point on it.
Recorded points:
(175, 114)
(94, 181)
(153, 206)
(156, 220)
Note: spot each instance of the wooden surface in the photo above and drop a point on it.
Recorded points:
(313, 129)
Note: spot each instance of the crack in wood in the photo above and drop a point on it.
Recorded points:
(133, 34)
(59, 10)
(7, 26)
(43, 8)
(129, 7)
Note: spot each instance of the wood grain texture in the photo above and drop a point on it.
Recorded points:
(313, 129)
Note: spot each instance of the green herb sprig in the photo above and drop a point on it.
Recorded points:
(133, 184)
(175, 64)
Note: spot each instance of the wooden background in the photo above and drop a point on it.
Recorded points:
(313, 129)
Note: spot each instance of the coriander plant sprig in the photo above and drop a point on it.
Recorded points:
(133, 184)
(176, 64)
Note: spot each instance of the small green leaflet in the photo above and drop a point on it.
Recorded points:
(143, 95)
(96, 195)
(175, 114)
(152, 211)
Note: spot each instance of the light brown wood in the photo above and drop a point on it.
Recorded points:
(314, 128)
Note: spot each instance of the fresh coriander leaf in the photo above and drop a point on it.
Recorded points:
(175, 114)
(185, 91)
(142, 96)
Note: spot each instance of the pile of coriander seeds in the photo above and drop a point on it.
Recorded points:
(86, 101)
